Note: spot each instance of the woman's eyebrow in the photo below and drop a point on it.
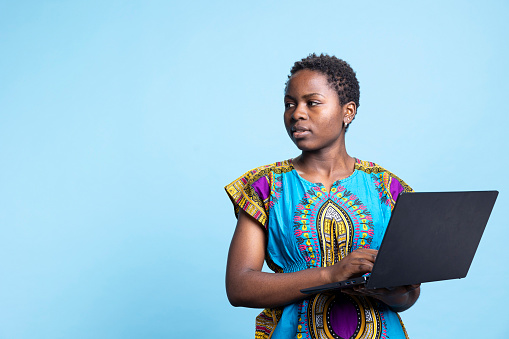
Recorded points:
(305, 96)
(312, 94)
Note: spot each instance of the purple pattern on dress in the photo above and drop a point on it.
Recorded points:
(343, 318)
(395, 189)
(261, 187)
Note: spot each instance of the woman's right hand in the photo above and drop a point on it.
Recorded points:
(355, 264)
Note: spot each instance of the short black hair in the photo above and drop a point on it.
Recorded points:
(339, 74)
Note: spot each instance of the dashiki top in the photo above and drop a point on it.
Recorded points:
(310, 227)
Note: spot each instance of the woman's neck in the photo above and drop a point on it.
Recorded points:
(324, 167)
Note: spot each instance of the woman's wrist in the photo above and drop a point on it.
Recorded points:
(325, 275)
(329, 275)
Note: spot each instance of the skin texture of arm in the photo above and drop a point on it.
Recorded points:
(248, 286)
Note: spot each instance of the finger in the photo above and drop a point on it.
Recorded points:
(364, 260)
(365, 267)
(362, 289)
(367, 250)
(352, 292)
(367, 253)
(412, 287)
(364, 292)
(372, 253)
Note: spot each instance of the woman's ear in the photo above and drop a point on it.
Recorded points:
(350, 109)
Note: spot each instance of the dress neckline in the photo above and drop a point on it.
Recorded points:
(319, 184)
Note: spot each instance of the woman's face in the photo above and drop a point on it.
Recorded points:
(313, 114)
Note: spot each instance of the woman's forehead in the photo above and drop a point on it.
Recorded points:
(308, 81)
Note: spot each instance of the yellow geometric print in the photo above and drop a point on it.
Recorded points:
(335, 231)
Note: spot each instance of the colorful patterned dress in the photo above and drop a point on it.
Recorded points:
(310, 227)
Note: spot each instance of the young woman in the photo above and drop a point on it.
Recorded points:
(315, 219)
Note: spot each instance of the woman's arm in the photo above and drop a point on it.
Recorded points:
(247, 285)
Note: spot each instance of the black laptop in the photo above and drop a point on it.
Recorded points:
(431, 236)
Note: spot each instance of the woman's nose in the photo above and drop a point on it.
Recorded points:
(300, 112)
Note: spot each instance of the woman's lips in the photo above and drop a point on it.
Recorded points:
(299, 132)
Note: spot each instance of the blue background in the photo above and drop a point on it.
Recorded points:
(121, 121)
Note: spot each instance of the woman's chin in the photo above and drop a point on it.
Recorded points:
(304, 147)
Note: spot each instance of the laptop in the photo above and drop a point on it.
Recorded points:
(431, 236)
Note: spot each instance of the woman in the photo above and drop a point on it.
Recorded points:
(316, 219)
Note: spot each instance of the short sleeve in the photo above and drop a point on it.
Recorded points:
(394, 186)
(251, 192)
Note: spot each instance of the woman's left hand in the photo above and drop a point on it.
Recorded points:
(398, 298)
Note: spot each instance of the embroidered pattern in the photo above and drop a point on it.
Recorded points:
(243, 195)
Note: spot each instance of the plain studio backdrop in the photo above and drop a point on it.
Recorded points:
(121, 121)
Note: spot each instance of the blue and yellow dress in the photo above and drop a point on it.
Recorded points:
(309, 227)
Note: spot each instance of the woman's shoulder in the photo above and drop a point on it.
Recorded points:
(386, 176)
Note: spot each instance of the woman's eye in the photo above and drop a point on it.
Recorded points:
(288, 104)
(313, 103)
